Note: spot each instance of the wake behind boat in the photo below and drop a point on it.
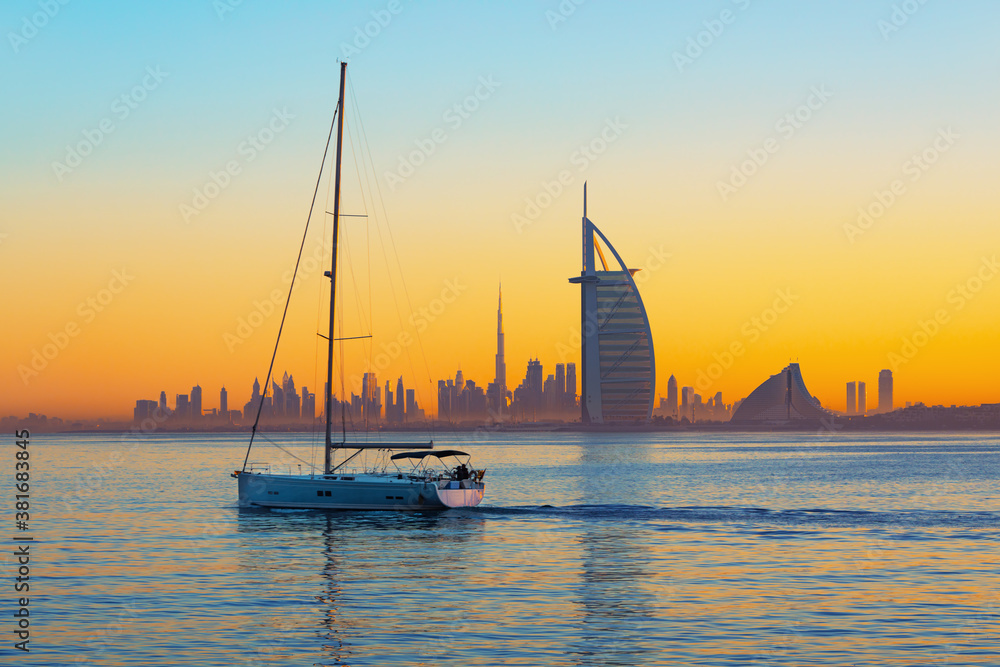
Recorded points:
(408, 480)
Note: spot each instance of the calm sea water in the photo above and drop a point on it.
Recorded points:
(652, 549)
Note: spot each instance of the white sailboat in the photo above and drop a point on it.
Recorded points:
(420, 478)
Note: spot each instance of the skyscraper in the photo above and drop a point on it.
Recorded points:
(718, 407)
(411, 404)
(570, 386)
(250, 408)
(163, 402)
(550, 391)
(457, 404)
(308, 405)
(182, 408)
(862, 398)
(559, 399)
(292, 409)
(277, 399)
(885, 390)
(528, 397)
(400, 405)
(687, 402)
(143, 410)
(534, 377)
(499, 399)
(371, 405)
(223, 402)
(444, 400)
(672, 397)
(852, 398)
(196, 402)
(619, 371)
(390, 407)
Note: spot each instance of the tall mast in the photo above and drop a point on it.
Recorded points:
(333, 274)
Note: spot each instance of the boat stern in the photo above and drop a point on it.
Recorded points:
(457, 494)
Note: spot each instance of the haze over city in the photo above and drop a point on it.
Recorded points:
(835, 209)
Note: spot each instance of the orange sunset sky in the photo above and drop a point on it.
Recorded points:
(731, 172)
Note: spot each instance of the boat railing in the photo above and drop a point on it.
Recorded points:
(424, 473)
(268, 468)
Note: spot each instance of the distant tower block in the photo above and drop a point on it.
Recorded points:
(885, 391)
(618, 371)
(196, 402)
(687, 402)
(570, 386)
(672, 397)
(852, 400)
(862, 398)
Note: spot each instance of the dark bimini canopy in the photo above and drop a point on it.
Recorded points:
(420, 455)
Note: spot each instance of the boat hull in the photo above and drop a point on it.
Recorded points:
(355, 492)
